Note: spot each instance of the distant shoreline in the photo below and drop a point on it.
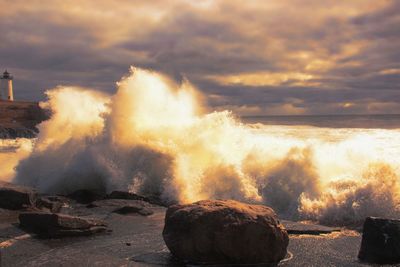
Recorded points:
(18, 119)
(322, 115)
(364, 121)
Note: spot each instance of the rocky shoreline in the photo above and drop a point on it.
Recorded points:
(125, 229)
(18, 119)
(18, 132)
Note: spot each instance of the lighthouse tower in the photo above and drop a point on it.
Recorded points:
(6, 89)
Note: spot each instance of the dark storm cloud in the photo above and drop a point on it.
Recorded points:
(262, 57)
(190, 44)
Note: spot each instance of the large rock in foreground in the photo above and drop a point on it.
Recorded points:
(59, 225)
(16, 197)
(380, 241)
(224, 232)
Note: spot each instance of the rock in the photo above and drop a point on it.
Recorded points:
(16, 197)
(17, 132)
(49, 203)
(224, 232)
(127, 195)
(122, 206)
(19, 119)
(84, 196)
(132, 210)
(59, 225)
(8, 216)
(300, 228)
(380, 241)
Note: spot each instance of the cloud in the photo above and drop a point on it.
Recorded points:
(253, 57)
(263, 79)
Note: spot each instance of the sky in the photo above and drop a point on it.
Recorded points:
(276, 57)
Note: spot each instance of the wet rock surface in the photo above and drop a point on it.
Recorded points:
(122, 206)
(132, 196)
(380, 241)
(50, 203)
(224, 232)
(59, 225)
(307, 228)
(125, 195)
(147, 248)
(16, 197)
(142, 233)
(137, 241)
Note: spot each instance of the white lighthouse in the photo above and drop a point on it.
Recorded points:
(6, 89)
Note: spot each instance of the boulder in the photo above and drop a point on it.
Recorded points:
(224, 232)
(59, 225)
(16, 197)
(122, 206)
(380, 241)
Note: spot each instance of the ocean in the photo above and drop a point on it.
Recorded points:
(377, 121)
(150, 138)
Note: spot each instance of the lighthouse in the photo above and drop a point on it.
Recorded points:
(6, 89)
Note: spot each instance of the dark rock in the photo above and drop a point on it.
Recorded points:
(162, 259)
(8, 216)
(59, 225)
(122, 206)
(380, 241)
(299, 228)
(17, 132)
(57, 198)
(16, 197)
(133, 209)
(225, 232)
(49, 204)
(84, 196)
(127, 195)
(19, 119)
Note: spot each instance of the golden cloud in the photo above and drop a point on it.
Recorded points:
(264, 79)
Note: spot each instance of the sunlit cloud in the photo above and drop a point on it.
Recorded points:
(347, 104)
(263, 79)
(284, 49)
(389, 71)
